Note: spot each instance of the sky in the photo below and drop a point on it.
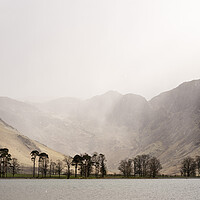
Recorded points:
(82, 48)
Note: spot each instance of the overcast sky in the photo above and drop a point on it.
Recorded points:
(81, 48)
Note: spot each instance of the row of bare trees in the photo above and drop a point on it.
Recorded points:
(141, 165)
(7, 163)
(84, 163)
(190, 166)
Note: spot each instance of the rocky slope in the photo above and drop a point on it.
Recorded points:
(174, 129)
(20, 146)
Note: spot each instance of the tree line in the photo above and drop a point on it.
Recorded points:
(84, 163)
(147, 166)
(190, 166)
(141, 166)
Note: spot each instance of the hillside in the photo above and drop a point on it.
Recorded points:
(168, 126)
(20, 146)
(174, 129)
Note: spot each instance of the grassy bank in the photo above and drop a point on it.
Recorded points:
(116, 176)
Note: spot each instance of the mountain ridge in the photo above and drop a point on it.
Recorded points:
(167, 126)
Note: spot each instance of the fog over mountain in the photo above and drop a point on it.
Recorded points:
(82, 48)
(167, 126)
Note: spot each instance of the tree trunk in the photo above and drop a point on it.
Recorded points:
(68, 173)
(0, 168)
(38, 170)
(34, 168)
(50, 171)
(3, 173)
(13, 171)
(76, 170)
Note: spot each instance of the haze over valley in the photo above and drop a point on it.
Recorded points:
(120, 126)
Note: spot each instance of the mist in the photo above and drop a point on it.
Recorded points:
(51, 49)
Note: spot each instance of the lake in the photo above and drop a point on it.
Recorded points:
(103, 189)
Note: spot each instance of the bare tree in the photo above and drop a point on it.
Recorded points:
(126, 167)
(154, 167)
(15, 167)
(138, 165)
(68, 161)
(198, 164)
(144, 164)
(52, 168)
(59, 167)
(188, 167)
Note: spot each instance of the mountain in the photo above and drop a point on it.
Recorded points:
(130, 111)
(174, 129)
(86, 129)
(20, 146)
(120, 126)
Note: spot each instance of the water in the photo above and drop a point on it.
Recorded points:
(116, 189)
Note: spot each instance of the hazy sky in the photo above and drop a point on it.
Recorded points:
(81, 48)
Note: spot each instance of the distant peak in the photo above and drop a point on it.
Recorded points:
(112, 92)
(131, 95)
